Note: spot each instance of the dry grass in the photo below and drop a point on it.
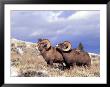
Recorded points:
(31, 64)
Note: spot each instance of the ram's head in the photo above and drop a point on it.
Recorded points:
(65, 46)
(43, 44)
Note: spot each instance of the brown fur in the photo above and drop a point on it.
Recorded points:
(51, 55)
(73, 57)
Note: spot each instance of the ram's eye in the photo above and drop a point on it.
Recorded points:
(45, 45)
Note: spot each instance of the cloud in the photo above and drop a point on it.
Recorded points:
(83, 15)
(57, 26)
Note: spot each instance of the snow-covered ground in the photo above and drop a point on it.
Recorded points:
(94, 55)
(13, 40)
(14, 71)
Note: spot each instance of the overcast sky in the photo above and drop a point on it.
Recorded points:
(58, 26)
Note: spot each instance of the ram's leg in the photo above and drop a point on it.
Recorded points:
(89, 64)
(50, 63)
(74, 64)
(63, 65)
(67, 66)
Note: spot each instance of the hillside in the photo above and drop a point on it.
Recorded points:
(27, 62)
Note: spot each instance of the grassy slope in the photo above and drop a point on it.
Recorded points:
(32, 64)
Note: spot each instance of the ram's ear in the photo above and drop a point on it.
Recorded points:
(39, 40)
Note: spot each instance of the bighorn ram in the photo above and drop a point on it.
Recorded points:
(73, 56)
(49, 53)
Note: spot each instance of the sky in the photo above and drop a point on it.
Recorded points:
(58, 26)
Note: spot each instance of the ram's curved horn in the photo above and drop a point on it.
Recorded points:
(68, 46)
(47, 42)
